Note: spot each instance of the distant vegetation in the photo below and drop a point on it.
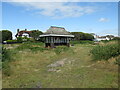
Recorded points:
(82, 36)
(6, 35)
(35, 34)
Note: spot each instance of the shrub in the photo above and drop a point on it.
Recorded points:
(116, 38)
(105, 52)
(6, 35)
(11, 41)
(19, 39)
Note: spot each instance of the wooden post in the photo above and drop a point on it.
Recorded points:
(68, 44)
(52, 45)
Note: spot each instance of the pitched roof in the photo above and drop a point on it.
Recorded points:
(57, 30)
(22, 32)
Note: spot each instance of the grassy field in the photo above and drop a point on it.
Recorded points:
(51, 68)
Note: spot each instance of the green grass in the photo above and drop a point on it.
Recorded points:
(30, 69)
(105, 52)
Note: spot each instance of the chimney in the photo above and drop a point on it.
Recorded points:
(18, 30)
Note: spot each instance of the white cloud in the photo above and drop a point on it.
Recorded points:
(58, 10)
(103, 20)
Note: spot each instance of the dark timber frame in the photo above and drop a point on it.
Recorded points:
(52, 41)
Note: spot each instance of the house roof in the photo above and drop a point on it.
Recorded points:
(22, 32)
(57, 30)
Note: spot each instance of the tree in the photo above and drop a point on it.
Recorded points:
(82, 36)
(88, 36)
(6, 35)
(78, 35)
(35, 34)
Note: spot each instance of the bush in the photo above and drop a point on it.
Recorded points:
(6, 35)
(11, 41)
(116, 38)
(19, 39)
(105, 52)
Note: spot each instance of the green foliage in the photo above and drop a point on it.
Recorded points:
(6, 57)
(5, 54)
(6, 68)
(82, 42)
(82, 36)
(105, 52)
(19, 39)
(35, 34)
(22, 39)
(105, 41)
(6, 35)
(10, 41)
(116, 38)
(60, 49)
(25, 39)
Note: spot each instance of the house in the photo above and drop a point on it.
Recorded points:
(55, 36)
(23, 33)
(99, 38)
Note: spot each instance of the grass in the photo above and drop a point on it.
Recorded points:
(29, 69)
(105, 52)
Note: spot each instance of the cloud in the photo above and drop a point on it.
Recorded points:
(103, 20)
(58, 10)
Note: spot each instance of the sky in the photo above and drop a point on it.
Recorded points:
(100, 18)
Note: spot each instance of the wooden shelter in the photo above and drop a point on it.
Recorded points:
(55, 36)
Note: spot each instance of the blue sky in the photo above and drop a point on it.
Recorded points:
(90, 17)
